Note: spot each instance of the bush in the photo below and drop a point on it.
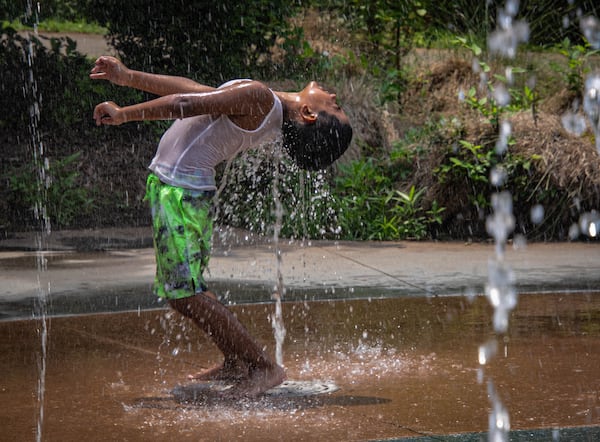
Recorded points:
(52, 190)
(51, 100)
(371, 208)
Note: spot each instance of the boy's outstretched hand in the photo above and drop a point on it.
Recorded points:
(108, 113)
(111, 69)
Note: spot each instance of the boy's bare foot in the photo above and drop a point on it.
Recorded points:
(230, 370)
(259, 380)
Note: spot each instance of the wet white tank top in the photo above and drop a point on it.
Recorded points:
(191, 148)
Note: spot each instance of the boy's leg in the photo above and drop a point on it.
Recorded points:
(232, 369)
(182, 232)
(233, 339)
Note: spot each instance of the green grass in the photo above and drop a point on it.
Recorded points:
(52, 25)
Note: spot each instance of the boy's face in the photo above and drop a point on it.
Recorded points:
(318, 99)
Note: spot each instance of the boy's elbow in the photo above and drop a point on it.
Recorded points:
(181, 106)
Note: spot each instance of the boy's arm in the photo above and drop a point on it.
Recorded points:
(250, 101)
(113, 70)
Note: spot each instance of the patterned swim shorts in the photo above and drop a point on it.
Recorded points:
(182, 229)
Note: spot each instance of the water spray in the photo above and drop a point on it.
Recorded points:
(41, 164)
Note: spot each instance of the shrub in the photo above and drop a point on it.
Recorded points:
(52, 190)
(51, 100)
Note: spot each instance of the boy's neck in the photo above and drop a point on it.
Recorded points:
(290, 101)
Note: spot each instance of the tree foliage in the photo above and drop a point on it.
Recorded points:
(210, 41)
(28, 11)
(550, 21)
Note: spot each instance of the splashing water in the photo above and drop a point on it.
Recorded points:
(244, 182)
(31, 93)
(498, 176)
(277, 318)
(573, 123)
(501, 95)
(537, 214)
(499, 420)
(500, 289)
(487, 351)
(501, 293)
(590, 27)
(503, 137)
(589, 225)
(509, 33)
(591, 104)
(502, 221)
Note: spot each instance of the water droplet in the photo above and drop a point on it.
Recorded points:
(591, 98)
(504, 40)
(501, 293)
(487, 351)
(589, 223)
(573, 123)
(519, 242)
(499, 420)
(498, 176)
(502, 222)
(590, 26)
(591, 104)
(508, 73)
(503, 137)
(470, 294)
(501, 95)
(512, 7)
(573, 232)
(537, 214)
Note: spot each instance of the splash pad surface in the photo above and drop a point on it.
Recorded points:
(406, 367)
(376, 319)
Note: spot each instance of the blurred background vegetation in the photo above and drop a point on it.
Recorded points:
(420, 163)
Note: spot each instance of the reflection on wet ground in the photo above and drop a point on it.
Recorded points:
(406, 367)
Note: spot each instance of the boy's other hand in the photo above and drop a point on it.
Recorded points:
(108, 113)
(111, 69)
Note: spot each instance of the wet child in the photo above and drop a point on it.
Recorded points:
(213, 125)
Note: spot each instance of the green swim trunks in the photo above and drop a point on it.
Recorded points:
(182, 228)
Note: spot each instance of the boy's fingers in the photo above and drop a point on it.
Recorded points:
(103, 119)
(99, 114)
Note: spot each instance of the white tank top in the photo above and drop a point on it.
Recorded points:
(191, 148)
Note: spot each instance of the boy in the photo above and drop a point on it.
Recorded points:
(213, 125)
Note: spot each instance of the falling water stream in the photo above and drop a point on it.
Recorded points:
(41, 166)
(500, 288)
(279, 292)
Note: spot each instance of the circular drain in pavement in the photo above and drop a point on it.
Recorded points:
(303, 388)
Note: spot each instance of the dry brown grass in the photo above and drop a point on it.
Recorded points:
(568, 164)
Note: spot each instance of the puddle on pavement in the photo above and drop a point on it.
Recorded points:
(405, 367)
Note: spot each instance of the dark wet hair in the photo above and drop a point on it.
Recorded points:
(317, 145)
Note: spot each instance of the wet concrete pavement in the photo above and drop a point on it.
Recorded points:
(405, 359)
(406, 367)
(116, 267)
